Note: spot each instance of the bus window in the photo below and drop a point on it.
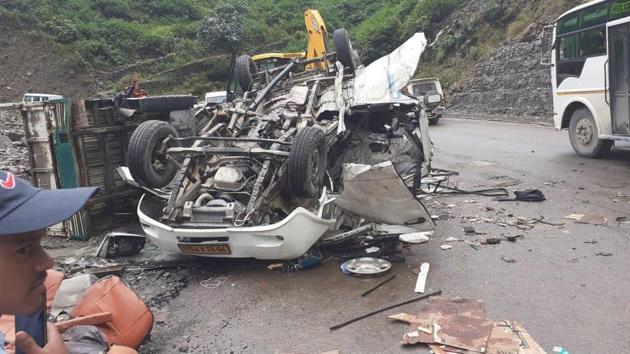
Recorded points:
(568, 47)
(593, 42)
(595, 16)
(568, 25)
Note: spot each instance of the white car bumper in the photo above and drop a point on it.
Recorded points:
(287, 239)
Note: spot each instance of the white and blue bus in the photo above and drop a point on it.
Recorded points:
(591, 75)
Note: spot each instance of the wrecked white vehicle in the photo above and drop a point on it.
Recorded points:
(264, 178)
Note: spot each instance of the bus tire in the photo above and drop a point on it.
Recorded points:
(245, 68)
(584, 135)
(306, 167)
(147, 163)
(345, 52)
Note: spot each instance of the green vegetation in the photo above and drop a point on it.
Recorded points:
(111, 35)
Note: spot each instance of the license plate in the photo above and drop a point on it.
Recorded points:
(205, 249)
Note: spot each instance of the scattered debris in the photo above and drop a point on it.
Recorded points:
(451, 239)
(528, 195)
(379, 285)
(542, 220)
(366, 266)
(560, 350)
(461, 326)
(591, 241)
(416, 237)
(513, 238)
(212, 283)
(422, 278)
(426, 296)
(275, 266)
(508, 259)
(603, 254)
(469, 230)
(475, 245)
(492, 241)
(446, 247)
(120, 244)
(589, 218)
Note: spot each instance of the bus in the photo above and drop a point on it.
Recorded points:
(590, 63)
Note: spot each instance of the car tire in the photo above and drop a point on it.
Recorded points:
(345, 52)
(435, 120)
(166, 104)
(583, 135)
(245, 68)
(148, 166)
(306, 166)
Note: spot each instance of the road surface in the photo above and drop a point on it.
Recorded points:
(559, 289)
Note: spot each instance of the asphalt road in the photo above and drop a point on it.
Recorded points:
(559, 289)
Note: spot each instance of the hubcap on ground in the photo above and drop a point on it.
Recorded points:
(584, 132)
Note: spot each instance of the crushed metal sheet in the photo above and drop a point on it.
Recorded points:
(404, 317)
(377, 192)
(527, 344)
(464, 332)
(502, 340)
(588, 218)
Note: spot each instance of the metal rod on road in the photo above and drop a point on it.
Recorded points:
(379, 285)
(385, 309)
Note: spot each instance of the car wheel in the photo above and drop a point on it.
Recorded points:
(245, 68)
(584, 135)
(146, 155)
(345, 52)
(306, 167)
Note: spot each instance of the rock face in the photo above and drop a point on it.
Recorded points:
(13, 150)
(509, 82)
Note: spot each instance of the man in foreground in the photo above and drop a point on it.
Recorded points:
(25, 215)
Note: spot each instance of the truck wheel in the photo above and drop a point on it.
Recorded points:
(584, 135)
(245, 68)
(306, 167)
(146, 155)
(345, 52)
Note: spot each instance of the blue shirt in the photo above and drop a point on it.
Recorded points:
(2, 343)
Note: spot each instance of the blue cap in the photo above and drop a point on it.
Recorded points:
(24, 208)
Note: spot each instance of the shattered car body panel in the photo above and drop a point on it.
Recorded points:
(378, 193)
(254, 182)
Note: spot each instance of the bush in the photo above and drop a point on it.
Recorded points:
(63, 30)
(493, 10)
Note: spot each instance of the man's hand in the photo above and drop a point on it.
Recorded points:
(54, 345)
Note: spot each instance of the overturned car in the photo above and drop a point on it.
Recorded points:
(268, 174)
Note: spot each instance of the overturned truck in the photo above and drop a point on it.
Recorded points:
(264, 176)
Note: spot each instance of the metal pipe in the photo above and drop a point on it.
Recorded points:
(214, 138)
(227, 151)
(271, 85)
(385, 309)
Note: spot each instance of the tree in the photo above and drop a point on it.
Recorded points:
(225, 29)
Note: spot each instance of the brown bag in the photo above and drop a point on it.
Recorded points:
(132, 319)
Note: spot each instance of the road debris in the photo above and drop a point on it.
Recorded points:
(366, 266)
(461, 326)
(425, 296)
(422, 278)
(603, 254)
(446, 247)
(591, 241)
(589, 218)
(212, 282)
(120, 244)
(508, 259)
(451, 239)
(469, 230)
(416, 237)
(528, 195)
(369, 291)
(492, 241)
